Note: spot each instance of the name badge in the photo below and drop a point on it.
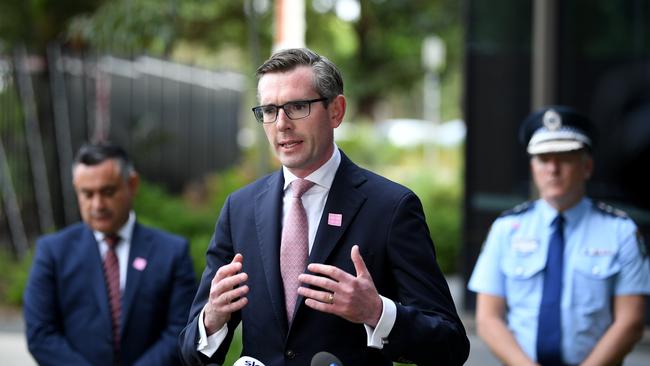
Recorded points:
(524, 246)
(598, 252)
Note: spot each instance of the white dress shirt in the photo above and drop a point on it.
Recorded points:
(121, 249)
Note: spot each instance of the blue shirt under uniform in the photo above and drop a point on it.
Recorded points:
(603, 258)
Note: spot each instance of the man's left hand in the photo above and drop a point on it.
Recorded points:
(353, 298)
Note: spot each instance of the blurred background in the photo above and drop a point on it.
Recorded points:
(436, 92)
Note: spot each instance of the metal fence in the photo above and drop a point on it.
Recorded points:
(178, 123)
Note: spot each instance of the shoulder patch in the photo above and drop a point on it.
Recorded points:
(610, 210)
(519, 209)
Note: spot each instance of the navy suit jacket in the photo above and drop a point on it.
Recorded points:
(386, 220)
(66, 303)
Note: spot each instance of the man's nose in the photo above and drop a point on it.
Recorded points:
(97, 201)
(282, 121)
(554, 165)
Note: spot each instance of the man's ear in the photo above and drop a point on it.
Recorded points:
(133, 182)
(337, 110)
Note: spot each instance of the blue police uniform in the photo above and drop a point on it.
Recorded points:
(603, 258)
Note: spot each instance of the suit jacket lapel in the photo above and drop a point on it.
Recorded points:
(95, 272)
(268, 211)
(141, 243)
(343, 199)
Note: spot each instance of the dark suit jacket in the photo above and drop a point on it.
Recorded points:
(386, 220)
(66, 303)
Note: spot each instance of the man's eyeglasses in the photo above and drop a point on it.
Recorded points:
(296, 109)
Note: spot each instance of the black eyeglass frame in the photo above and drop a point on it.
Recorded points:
(259, 114)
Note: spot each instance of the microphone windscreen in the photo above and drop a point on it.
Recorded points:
(325, 359)
(247, 361)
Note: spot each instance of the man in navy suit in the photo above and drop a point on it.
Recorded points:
(68, 312)
(372, 291)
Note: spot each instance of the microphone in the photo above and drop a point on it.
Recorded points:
(325, 359)
(247, 361)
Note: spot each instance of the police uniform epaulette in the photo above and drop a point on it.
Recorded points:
(610, 210)
(519, 209)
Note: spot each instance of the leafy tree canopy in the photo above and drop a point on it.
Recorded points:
(379, 53)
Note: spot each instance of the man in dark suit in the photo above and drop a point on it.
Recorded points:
(372, 291)
(107, 291)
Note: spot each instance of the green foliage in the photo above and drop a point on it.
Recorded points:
(363, 145)
(158, 28)
(13, 277)
(156, 207)
(380, 53)
(12, 134)
(36, 23)
(11, 119)
(222, 184)
(194, 215)
(235, 348)
(442, 209)
(432, 172)
(123, 27)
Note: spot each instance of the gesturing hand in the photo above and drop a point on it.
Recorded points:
(353, 298)
(226, 295)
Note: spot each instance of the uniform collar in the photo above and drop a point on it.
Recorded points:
(571, 216)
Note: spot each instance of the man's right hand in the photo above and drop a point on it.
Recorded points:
(227, 295)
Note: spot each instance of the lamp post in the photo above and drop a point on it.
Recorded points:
(290, 24)
(433, 60)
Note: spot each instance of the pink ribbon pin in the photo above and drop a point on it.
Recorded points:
(140, 263)
(334, 219)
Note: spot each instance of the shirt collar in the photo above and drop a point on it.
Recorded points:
(125, 232)
(571, 215)
(323, 176)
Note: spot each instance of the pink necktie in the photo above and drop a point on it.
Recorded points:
(112, 276)
(294, 247)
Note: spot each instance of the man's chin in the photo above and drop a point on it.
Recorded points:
(555, 191)
(554, 197)
(104, 227)
(291, 162)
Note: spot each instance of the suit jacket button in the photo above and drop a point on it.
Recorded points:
(290, 354)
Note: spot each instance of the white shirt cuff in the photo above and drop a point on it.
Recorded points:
(377, 336)
(208, 345)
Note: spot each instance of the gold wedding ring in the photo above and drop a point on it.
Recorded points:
(330, 298)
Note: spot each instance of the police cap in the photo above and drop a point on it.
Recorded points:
(556, 129)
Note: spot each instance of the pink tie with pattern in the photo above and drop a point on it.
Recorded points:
(112, 275)
(294, 247)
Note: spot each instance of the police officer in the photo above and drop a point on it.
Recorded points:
(561, 280)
